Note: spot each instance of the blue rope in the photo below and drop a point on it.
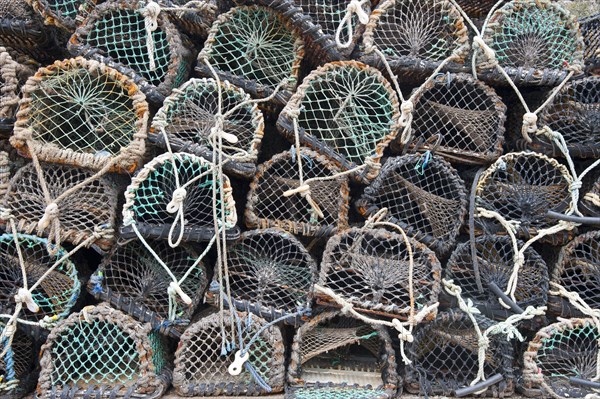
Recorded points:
(423, 163)
(259, 380)
(9, 361)
(96, 281)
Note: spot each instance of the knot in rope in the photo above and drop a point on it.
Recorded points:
(407, 107)
(48, 322)
(150, 14)
(490, 54)
(50, 214)
(5, 213)
(177, 201)
(174, 289)
(529, 125)
(24, 296)
(354, 7)
(403, 333)
(304, 191)
(101, 230)
(219, 132)
(576, 185)
(9, 331)
(84, 314)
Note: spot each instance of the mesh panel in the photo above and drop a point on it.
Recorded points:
(61, 13)
(429, 204)
(523, 187)
(468, 116)
(80, 213)
(444, 356)
(495, 260)
(17, 363)
(9, 89)
(15, 9)
(197, 22)
(591, 201)
(267, 207)
(201, 370)
(590, 30)
(82, 113)
(271, 268)
(370, 268)
(58, 291)
(338, 393)
(562, 350)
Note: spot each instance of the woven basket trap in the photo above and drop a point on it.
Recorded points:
(196, 22)
(17, 367)
(590, 203)
(590, 30)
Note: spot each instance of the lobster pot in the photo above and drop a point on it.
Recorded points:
(201, 369)
(103, 352)
(334, 356)
(522, 187)
(429, 204)
(18, 366)
(574, 114)
(61, 13)
(131, 279)
(590, 30)
(348, 112)
(537, 42)
(12, 77)
(158, 61)
(466, 115)
(370, 269)
(257, 49)
(56, 294)
(268, 207)
(495, 259)
(154, 191)
(415, 36)
(190, 114)
(476, 9)
(590, 204)
(444, 357)
(82, 113)
(195, 22)
(562, 358)
(88, 210)
(578, 271)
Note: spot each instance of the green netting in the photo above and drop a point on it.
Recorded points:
(17, 364)
(339, 393)
(159, 351)
(66, 8)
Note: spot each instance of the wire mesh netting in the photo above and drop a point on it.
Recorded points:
(158, 60)
(61, 13)
(444, 357)
(476, 9)
(268, 207)
(561, 351)
(82, 113)
(415, 36)
(80, 214)
(201, 367)
(590, 203)
(197, 18)
(255, 48)
(12, 76)
(190, 114)
(370, 268)
(495, 265)
(466, 115)
(577, 270)
(346, 110)
(428, 201)
(334, 351)
(134, 281)
(590, 30)
(17, 366)
(58, 291)
(152, 192)
(522, 187)
(101, 351)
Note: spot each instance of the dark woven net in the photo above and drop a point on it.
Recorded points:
(429, 203)
(17, 366)
(590, 204)
(61, 13)
(197, 19)
(578, 270)
(268, 207)
(444, 356)
(467, 115)
(201, 369)
(16, 9)
(590, 30)
(272, 269)
(370, 268)
(495, 264)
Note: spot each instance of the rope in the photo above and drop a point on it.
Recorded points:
(355, 7)
(150, 14)
(593, 198)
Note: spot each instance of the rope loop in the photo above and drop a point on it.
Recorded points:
(24, 296)
(150, 14)
(354, 7)
(529, 125)
(50, 214)
(177, 202)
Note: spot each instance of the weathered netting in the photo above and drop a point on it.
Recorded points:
(255, 48)
(154, 190)
(466, 115)
(89, 210)
(57, 293)
(17, 366)
(522, 187)
(334, 353)
(577, 270)
(201, 367)
(61, 13)
(83, 113)
(198, 17)
(12, 77)
(370, 269)
(415, 35)
(270, 273)
(444, 357)
(495, 264)
(346, 110)
(268, 207)
(561, 351)
(132, 280)
(102, 352)
(574, 113)
(590, 30)
(157, 72)
(535, 41)
(476, 9)
(428, 201)
(590, 203)
(189, 115)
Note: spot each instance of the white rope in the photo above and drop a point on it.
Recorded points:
(593, 198)
(150, 14)
(355, 7)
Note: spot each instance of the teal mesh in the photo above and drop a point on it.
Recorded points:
(159, 351)
(339, 393)
(67, 8)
